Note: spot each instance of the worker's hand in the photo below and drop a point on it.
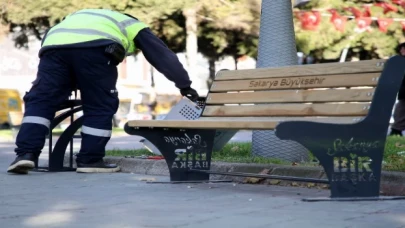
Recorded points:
(190, 93)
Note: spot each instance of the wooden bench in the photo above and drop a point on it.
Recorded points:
(339, 111)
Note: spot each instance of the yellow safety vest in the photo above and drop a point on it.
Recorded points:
(95, 24)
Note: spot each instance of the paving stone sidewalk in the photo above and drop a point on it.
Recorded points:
(125, 200)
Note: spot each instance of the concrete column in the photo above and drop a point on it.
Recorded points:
(276, 48)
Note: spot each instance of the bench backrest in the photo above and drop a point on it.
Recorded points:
(340, 90)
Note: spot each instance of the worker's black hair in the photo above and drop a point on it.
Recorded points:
(398, 49)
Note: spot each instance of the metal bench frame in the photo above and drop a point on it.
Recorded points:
(56, 154)
(360, 145)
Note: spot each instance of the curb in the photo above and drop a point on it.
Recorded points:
(392, 183)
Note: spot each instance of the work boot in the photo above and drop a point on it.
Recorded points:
(395, 132)
(97, 167)
(22, 164)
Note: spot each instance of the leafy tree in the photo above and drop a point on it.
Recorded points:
(219, 24)
(171, 29)
(34, 17)
(230, 29)
(326, 43)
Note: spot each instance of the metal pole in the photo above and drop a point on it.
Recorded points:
(277, 48)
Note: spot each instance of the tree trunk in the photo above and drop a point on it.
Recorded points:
(191, 44)
(152, 77)
(211, 63)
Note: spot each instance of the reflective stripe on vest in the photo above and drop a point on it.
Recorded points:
(86, 32)
(118, 24)
(128, 23)
(108, 24)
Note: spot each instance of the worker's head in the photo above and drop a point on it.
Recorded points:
(401, 49)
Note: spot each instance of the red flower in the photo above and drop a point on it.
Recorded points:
(384, 23)
(310, 20)
(338, 21)
(356, 12)
(387, 7)
(363, 22)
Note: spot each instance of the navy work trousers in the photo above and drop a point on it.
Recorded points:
(59, 71)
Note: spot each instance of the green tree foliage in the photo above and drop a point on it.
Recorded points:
(23, 11)
(326, 43)
(229, 28)
(34, 17)
(224, 27)
(171, 29)
(219, 27)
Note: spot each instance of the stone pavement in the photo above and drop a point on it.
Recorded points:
(124, 200)
(120, 141)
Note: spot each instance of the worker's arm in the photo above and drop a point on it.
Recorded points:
(162, 58)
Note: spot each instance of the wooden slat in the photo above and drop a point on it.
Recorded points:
(271, 123)
(282, 118)
(286, 96)
(331, 81)
(348, 109)
(366, 66)
(241, 119)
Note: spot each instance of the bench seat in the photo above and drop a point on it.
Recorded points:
(240, 123)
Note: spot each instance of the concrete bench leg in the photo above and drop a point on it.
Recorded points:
(183, 150)
(351, 155)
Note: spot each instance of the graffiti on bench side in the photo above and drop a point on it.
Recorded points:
(194, 148)
(352, 161)
(185, 158)
(339, 146)
(354, 169)
(186, 140)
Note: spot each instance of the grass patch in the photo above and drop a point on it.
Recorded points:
(394, 154)
(56, 132)
(118, 130)
(7, 133)
(394, 159)
(241, 153)
(232, 152)
(123, 153)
